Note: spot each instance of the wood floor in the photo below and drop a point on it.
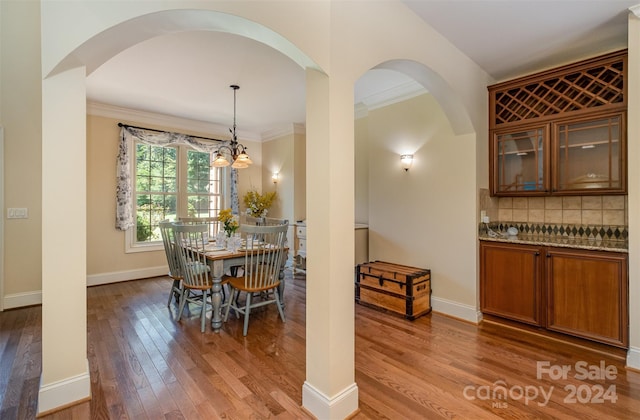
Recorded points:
(145, 365)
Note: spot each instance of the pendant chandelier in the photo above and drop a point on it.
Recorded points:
(237, 152)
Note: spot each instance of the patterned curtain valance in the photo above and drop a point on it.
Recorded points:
(124, 190)
(166, 138)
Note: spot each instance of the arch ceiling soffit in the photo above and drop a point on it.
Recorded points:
(98, 49)
(439, 88)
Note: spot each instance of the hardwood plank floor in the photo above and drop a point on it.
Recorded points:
(145, 365)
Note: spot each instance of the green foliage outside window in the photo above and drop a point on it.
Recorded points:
(156, 189)
(157, 174)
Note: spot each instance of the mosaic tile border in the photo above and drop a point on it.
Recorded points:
(605, 232)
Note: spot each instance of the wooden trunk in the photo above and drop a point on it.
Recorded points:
(397, 288)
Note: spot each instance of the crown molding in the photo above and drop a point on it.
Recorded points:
(284, 130)
(360, 110)
(635, 10)
(393, 95)
(145, 117)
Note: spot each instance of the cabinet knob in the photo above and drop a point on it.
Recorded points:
(537, 254)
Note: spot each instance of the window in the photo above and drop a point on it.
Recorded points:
(171, 182)
(204, 192)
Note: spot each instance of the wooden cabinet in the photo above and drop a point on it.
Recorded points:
(577, 292)
(589, 154)
(511, 282)
(521, 160)
(560, 132)
(587, 295)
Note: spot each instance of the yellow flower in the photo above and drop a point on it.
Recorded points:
(258, 204)
(225, 215)
(229, 221)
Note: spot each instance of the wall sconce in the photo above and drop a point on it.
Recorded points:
(274, 177)
(406, 160)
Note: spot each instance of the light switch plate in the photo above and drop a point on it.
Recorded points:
(17, 213)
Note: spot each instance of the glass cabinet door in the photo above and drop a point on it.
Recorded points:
(519, 159)
(589, 155)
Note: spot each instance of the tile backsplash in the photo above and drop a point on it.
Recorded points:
(575, 210)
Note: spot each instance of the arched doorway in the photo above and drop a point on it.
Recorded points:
(65, 374)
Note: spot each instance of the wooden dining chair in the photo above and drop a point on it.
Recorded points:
(261, 274)
(196, 274)
(168, 240)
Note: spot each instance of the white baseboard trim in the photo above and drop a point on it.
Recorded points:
(117, 276)
(340, 406)
(64, 393)
(456, 310)
(633, 358)
(18, 300)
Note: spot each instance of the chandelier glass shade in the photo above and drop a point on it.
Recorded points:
(236, 151)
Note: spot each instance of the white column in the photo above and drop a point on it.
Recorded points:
(65, 369)
(633, 157)
(329, 391)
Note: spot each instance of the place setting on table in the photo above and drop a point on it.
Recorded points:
(223, 244)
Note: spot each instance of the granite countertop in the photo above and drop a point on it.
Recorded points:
(597, 244)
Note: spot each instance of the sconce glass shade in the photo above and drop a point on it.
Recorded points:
(274, 177)
(406, 161)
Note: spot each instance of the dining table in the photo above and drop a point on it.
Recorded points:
(221, 260)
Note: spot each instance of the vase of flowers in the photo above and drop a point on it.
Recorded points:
(258, 204)
(229, 221)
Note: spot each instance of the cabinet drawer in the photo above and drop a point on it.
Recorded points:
(301, 231)
(302, 244)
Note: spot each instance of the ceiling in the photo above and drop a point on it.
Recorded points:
(187, 74)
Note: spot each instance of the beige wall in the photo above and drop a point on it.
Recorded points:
(420, 217)
(106, 244)
(278, 156)
(21, 117)
(362, 171)
(286, 155)
(300, 176)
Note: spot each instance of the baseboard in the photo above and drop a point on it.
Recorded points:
(633, 358)
(18, 300)
(117, 276)
(340, 406)
(456, 310)
(64, 393)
